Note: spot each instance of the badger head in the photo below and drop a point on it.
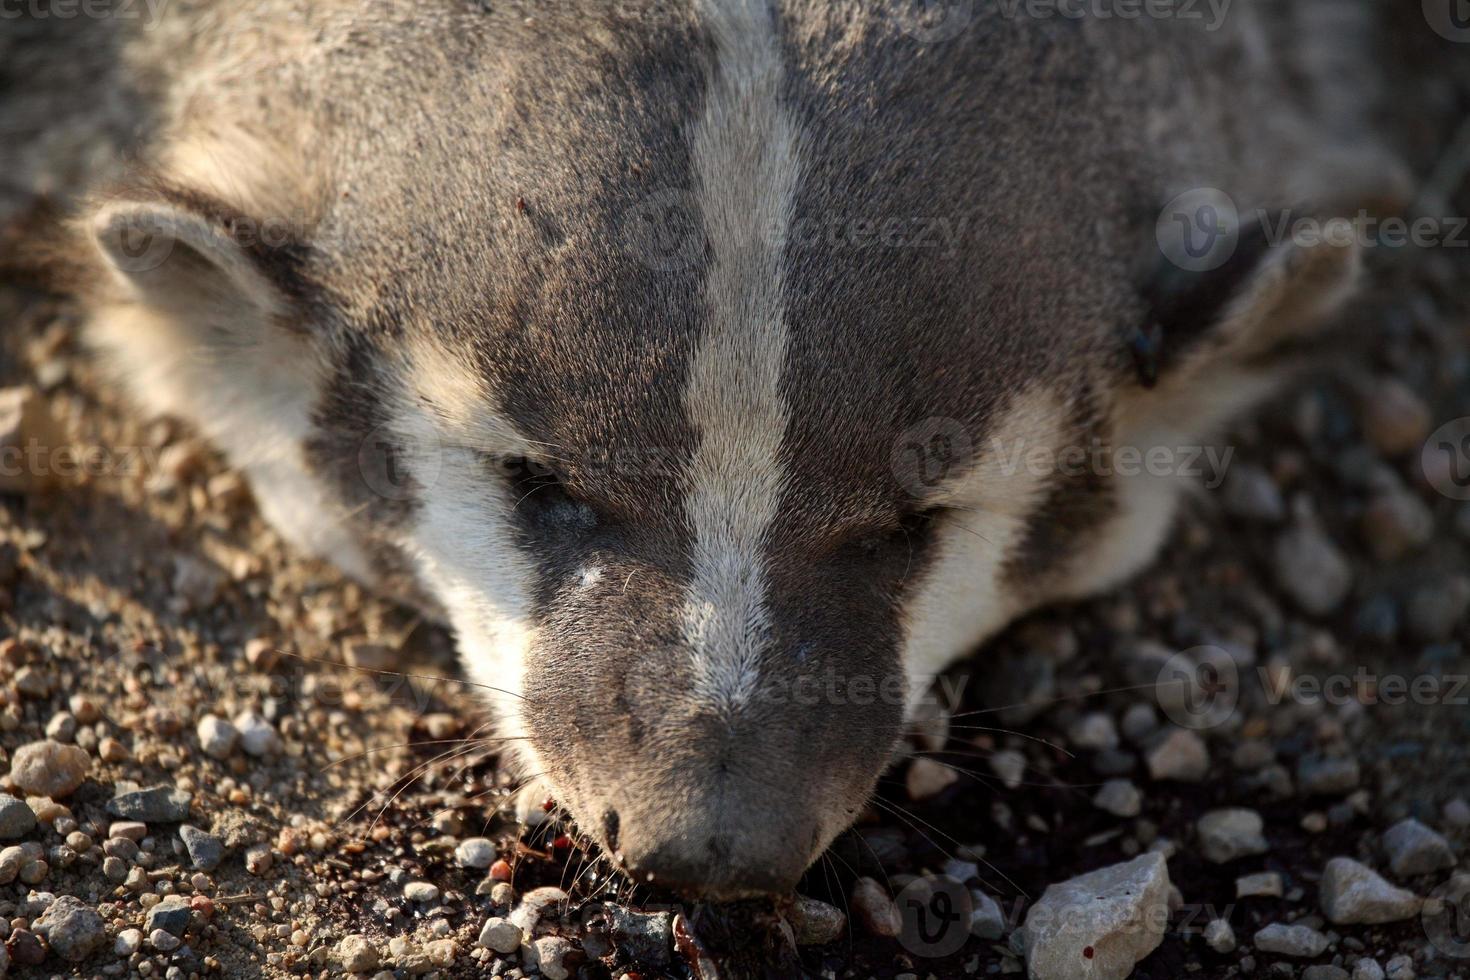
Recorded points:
(714, 372)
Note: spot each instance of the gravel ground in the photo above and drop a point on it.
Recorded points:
(1254, 761)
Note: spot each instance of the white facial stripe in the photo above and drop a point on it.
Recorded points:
(963, 598)
(746, 165)
(460, 401)
(467, 555)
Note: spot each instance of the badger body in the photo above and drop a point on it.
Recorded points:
(707, 365)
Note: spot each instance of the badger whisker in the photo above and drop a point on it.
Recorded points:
(399, 673)
(1050, 701)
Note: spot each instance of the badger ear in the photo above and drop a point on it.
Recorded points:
(199, 314)
(1257, 286)
(196, 260)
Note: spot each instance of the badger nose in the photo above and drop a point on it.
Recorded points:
(717, 848)
(717, 867)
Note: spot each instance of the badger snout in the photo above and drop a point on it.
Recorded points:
(712, 744)
(733, 838)
(699, 802)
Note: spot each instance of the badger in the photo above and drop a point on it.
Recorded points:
(719, 371)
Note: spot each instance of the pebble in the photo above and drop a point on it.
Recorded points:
(62, 727)
(1181, 755)
(111, 750)
(1010, 766)
(1457, 813)
(258, 859)
(170, 915)
(261, 654)
(1139, 722)
(1377, 619)
(475, 852)
(1318, 776)
(816, 923)
(1395, 420)
(157, 804)
(1118, 913)
(1219, 936)
(205, 850)
(1351, 893)
(409, 959)
(1230, 833)
(874, 909)
(1414, 849)
(441, 952)
(356, 954)
(217, 737)
(32, 682)
(1253, 755)
(257, 736)
(49, 768)
(1250, 494)
(162, 941)
(26, 948)
(421, 891)
(1263, 884)
(650, 937)
(1400, 968)
(128, 830)
(128, 942)
(549, 955)
(72, 928)
(1366, 969)
(441, 724)
(1284, 940)
(16, 818)
(1311, 569)
(1434, 611)
(1396, 523)
(1120, 798)
(1094, 732)
(927, 778)
(85, 709)
(1325, 972)
(987, 921)
(501, 935)
(533, 905)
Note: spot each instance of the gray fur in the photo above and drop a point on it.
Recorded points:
(496, 237)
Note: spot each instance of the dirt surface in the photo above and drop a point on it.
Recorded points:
(142, 597)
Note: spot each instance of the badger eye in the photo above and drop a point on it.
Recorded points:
(911, 528)
(539, 494)
(527, 477)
